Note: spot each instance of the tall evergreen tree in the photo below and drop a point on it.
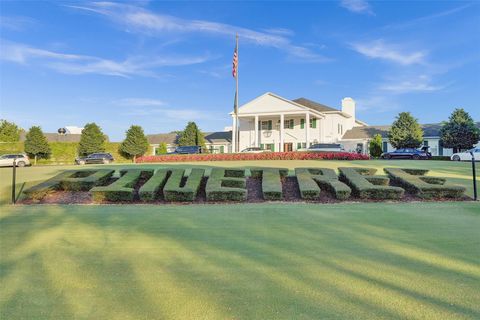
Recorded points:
(375, 146)
(9, 131)
(405, 132)
(191, 136)
(162, 148)
(135, 143)
(92, 140)
(460, 132)
(36, 144)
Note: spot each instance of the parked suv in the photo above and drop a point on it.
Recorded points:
(188, 150)
(104, 158)
(7, 160)
(407, 153)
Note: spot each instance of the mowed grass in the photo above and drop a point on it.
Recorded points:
(245, 261)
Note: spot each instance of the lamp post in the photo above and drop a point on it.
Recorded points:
(14, 178)
(474, 177)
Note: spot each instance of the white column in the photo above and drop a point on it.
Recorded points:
(281, 132)
(256, 132)
(307, 129)
(234, 135)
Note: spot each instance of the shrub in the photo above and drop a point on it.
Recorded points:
(309, 180)
(293, 155)
(365, 185)
(414, 181)
(121, 189)
(226, 184)
(150, 190)
(375, 146)
(176, 190)
(271, 182)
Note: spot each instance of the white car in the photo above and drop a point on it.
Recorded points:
(7, 160)
(324, 147)
(254, 150)
(466, 156)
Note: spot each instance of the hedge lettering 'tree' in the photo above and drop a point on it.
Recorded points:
(415, 182)
(153, 187)
(367, 186)
(271, 181)
(310, 180)
(226, 184)
(120, 190)
(181, 188)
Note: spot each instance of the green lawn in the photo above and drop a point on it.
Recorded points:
(247, 261)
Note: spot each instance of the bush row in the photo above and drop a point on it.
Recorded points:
(120, 190)
(254, 156)
(226, 184)
(367, 186)
(414, 181)
(271, 182)
(310, 180)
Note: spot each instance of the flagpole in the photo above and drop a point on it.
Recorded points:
(237, 129)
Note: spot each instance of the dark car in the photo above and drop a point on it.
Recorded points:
(188, 150)
(407, 153)
(104, 158)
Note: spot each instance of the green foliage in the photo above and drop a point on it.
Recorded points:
(162, 148)
(121, 189)
(36, 144)
(191, 136)
(366, 186)
(415, 181)
(460, 132)
(11, 147)
(271, 182)
(375, 146)
(179, 188)
(151, 189)
(135, 143)
(92, 140)
(226, 184)
(405, 132)
(9, 131)
(309, 180)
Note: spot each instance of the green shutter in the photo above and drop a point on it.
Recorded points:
(299, 145)
(262, 146)
(314, 123)
(269, 124)
(292, 124)
(302, 123)
(222, 149)
(272, 147)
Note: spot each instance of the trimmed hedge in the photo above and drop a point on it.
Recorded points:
(71, 180)
(311, 179)
(414, 181)
(271, 182)
(151, 189)
(366, 186)
(226, 184)
(121, 189)
(175, 191)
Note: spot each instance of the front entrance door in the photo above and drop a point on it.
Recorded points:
(288, 147)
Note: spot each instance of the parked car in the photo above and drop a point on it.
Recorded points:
(466, 156)
(254, 150)
(188, 150)
(325, 147)
(7, 160)
(407, 153)
(104, 158)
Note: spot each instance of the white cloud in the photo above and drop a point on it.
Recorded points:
(83, 64)
(139, 102)
(16, 23)
(377, 103)
(378, 49)
(421, 83)
(357, 6)
(141, 20)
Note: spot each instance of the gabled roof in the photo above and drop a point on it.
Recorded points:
(172, 138)
(314, 105)
(168, 138)
(55, 137)
(219, 137)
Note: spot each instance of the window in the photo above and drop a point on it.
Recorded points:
(385, 146)
(266, 125)
(270, 146)
(340, 128)
(425, 143)
(313, 123)
(302, 123)
(288, 124)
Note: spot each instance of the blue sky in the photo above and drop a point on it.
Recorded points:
(161, 64)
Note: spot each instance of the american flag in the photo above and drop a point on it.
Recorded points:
(235, 63)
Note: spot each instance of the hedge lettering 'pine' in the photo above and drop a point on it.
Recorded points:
(191, 136)
(460, 132)
(375, 146)
(36, 144)
(135, 143)
(405, 132)
(92, 140)
(9, 131)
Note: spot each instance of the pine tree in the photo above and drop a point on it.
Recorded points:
(162, 148)
(375, 146)
(405, 132)
(92, 140)
(191, 136)
(460, 132)
(9, 131)
(36, 144)
(135, 143)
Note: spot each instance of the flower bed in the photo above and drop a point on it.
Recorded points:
(254, 156)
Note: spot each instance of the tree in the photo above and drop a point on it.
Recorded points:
(92, 140)
(405, 132)
(9, 131)
(36, 144)
(162, 148)
(191, 136)
(375, 146)
(460, 132)
(135, 143)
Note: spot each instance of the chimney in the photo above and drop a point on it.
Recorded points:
(348, 106)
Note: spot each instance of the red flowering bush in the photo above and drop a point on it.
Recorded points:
(254, 156)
